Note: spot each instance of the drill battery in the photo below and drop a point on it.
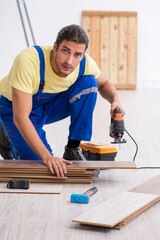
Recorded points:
(95, 151)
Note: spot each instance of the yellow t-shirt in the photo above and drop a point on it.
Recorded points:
(25, 74)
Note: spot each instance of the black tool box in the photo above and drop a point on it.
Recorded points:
(95, 151)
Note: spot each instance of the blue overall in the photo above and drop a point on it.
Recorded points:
(78, 102)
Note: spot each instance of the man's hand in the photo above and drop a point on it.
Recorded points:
(116, 104)
(57, 165)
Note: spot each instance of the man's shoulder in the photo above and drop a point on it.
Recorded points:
(26, 55)
(31, 51)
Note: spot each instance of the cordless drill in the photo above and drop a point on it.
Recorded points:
(117, 127)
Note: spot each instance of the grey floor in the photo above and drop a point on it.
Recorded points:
(142, 109)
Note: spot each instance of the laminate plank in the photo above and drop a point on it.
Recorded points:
(24, 175)
(33, 189)
(36, 171)
(116, 209)
(133, 216)
(151, 186)
(105, 164)
(76, 164)
(58, 181)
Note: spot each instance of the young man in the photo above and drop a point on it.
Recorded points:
(48, 84)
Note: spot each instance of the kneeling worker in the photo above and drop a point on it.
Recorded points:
(46, 85)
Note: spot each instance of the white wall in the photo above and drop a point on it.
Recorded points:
(48, 16)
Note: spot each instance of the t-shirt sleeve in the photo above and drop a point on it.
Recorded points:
(91, 67)
(23, 74)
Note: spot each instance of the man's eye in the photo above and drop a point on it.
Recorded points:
(64, 51)
(78, 55)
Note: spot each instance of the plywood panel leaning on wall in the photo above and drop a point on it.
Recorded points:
(113, 44)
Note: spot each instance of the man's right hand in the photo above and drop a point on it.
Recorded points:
(57, 165)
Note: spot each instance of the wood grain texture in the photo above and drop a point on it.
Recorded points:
(114, 48)
(113, 44)
(95, 39)
(77, 165)
(117, 210)
(104, 45)
(123, 51)
(132, 50)
(152, 186)
(78, 172)
(33, 189)
(108, 13)
(106, 164)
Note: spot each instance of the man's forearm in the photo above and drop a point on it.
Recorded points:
(108, 91)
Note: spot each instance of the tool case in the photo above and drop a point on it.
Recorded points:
(95, 151)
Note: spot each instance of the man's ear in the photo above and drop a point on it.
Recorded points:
(55, 47)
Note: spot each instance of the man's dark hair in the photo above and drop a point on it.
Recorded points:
(72, 33)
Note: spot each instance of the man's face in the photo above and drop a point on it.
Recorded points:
(66, 57)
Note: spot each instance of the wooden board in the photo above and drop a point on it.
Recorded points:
(152, 186)
(105, 164)
(79, 165)
(33, 189)
(77, 180)
(117, 210)
(36, 171)
(113, 44)
(83, 165)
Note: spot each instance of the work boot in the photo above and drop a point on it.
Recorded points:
(5, 147)
(74, 154)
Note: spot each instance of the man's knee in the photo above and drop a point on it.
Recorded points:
(87, 87)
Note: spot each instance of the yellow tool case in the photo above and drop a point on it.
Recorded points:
(95, 151)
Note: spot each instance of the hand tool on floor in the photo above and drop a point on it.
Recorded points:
(117, 127)
(18, 184)
(85, 197)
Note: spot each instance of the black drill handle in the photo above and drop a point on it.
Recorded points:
(117, 127)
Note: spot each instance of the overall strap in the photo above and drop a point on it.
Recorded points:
(42, 65)
(82, 67)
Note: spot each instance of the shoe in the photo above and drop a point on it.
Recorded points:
(74, 154)
(5, 147)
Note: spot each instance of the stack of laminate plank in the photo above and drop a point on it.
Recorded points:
(118, 211)
(37, 172)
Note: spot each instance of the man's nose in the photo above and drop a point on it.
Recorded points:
(70, 59)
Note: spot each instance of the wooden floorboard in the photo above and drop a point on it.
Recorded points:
(117, 210)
